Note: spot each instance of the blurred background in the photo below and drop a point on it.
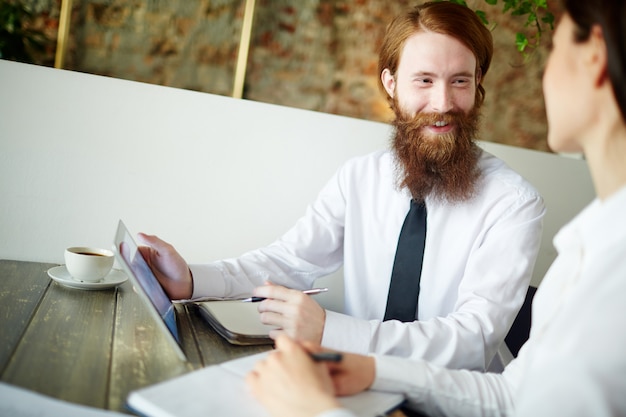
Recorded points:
(319, 55)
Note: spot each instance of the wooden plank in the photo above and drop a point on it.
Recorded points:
(66, 350)
(188, 337)
(141, 353)
(23, 286)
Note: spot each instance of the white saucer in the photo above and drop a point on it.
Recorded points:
(60, 275)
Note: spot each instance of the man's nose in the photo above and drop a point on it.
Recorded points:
(441, 99)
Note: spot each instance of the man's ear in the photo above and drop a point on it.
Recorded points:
(479, 76)
(389, 82)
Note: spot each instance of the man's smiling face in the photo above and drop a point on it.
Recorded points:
(436, 75)
(434, 98)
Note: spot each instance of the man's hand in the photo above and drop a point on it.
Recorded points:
(168, 266)
(294, 313)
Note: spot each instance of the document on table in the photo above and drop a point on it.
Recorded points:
(220, 391)
(20, 402)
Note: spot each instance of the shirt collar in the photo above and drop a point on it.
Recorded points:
(597, 226)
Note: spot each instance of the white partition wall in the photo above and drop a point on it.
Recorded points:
(213, 175)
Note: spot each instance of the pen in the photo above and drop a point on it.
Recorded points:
(326, 356)
(309, 292)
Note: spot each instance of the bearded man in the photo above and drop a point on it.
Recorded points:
(478, 223)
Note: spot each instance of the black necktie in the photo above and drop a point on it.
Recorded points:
(407, 266)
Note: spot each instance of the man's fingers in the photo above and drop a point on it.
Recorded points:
(151, 240)
(277, 292)
(271, 318)
(276, 333)
(145, 252)
(275, 306)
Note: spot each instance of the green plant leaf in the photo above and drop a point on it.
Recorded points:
(483, 16)
(532, 19)
(521, 41)
(522, 9)
(549, 20)
(536, 13)
(509, 4)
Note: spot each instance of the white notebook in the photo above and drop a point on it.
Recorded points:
(220, 391)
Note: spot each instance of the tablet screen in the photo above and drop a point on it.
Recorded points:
(146, 284)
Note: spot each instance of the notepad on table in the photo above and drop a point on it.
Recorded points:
(220, 391)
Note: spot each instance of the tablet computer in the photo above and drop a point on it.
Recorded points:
(236, 321)
(147, 287)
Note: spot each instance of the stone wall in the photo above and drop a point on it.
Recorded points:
(312, 54)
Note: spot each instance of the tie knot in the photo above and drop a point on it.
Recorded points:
(417, 203)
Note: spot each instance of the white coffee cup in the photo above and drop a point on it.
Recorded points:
(88, 264)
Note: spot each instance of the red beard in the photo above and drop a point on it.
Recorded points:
(442, 166)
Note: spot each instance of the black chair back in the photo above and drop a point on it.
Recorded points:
(520, 330)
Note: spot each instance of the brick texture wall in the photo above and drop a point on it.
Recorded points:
(313, 54)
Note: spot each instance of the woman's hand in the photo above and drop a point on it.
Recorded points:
(290, 384)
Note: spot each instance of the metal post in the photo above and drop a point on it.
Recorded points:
(244, 46)
(63, 33)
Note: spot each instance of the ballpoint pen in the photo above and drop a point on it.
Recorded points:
(309, 292)
(326, 356)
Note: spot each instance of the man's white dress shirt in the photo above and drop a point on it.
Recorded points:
(477, 264)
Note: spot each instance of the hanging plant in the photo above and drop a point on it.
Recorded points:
(18, 41)
(537, 16)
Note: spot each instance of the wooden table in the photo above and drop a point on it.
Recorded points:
(94, 347)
